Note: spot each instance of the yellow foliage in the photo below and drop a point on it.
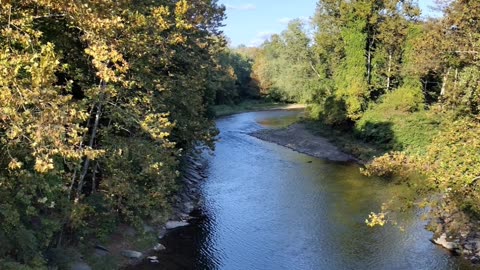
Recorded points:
(375, 219)
(161, 15)
(15, 164)
(43, 164)
(76, 76)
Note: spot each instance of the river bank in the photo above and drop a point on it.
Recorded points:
(297, 137)
(129, 246)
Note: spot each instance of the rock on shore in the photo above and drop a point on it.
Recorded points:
(442, 241)
(170, 225)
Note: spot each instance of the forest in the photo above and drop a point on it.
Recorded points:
(99, 102)
(393, 78)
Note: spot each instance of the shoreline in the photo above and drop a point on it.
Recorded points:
(185, 203)
(129, 246)
(298, 138)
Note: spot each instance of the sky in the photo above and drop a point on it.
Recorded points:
(250, 22)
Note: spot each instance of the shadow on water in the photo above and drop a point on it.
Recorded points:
(184, 248)
(281, 119)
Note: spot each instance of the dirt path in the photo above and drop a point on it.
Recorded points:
(298, 138)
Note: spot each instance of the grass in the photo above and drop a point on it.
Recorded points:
(247, 106)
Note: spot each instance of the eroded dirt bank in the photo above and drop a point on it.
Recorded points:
(298, 138)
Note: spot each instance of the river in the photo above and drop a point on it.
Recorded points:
(269, 207)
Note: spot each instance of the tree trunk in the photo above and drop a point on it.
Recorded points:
(86, 164)
(369, 59)
(444, 83)
(389, 71)
(94, 178)
(456, 80)
(315, 70)
(74, 176)
(9, 17)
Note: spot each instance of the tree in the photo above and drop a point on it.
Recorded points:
(99, 101)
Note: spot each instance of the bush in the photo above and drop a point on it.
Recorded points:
(399, 121)
(332, 112)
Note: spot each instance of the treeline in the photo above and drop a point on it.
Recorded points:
(234, 81)
(408, 84)
(99, 100)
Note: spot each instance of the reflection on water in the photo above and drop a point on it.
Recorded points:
(268, 207)
(280, 119)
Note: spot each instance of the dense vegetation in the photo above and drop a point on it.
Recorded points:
(408, 84)
(99, 101)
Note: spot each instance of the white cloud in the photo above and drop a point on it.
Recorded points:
(260, 37)
(285, 20)
(305, 19)
(264, 34)
(246, 7)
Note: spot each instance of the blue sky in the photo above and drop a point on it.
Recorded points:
(250, 22)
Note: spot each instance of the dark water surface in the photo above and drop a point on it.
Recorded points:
(268, 207)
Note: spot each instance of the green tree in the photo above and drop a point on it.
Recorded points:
(99, 101)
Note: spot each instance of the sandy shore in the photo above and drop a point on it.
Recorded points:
(298, 138)
(290, 107)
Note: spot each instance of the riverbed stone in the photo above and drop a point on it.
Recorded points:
(131, 254)
(194, 175)
(100, 252)
(186, 197)
(188, 207)
(191, 180)
(80, 266)
(475, 259)
(175, 224)
(475, 242)
(159, 247)
(442, 241)
(153, 259)
(195, 163)
(185, 217)
(101, 247)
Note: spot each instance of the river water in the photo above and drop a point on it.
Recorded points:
(268, 207)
